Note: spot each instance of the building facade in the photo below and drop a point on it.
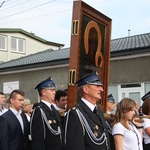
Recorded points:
(129, 74)
(16, 43)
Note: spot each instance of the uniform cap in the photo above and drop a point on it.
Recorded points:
(110, 98)
(65, 90)
(146, 96)
(92, 78)
(46, 84)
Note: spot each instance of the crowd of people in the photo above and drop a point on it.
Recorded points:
(47, 125)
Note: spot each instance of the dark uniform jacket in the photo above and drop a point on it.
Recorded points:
(109, 128)
(42, 137)
(76, 136)
(11, 135)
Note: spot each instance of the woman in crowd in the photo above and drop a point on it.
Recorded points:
(126, 131)
(146, 124)
(140, 112)
(27, 108)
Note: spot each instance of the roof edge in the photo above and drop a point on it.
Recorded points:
(32, 35)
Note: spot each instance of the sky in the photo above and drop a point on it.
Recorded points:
(51, 19)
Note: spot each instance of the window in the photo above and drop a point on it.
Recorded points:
(17, 44)
(130, 85)
(133, 91)
(2, 42)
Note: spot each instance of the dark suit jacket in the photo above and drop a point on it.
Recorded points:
(75, 138)
(11, 135)
(39, 128)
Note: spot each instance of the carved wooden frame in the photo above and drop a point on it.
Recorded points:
(89, 50)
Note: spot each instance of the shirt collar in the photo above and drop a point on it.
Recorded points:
(56, 107)
(90, 105)
(47, 103)
(15, 112)
(2, 108)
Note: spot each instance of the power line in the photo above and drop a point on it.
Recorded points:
(39, 15)
(8, 2)
(36, 17)
(27, 9)
(14, 5)
(2, 4)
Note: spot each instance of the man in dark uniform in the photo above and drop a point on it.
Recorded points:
(45, 120)
(109, 108)
(85, 126)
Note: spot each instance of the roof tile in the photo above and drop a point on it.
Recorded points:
(117, 45)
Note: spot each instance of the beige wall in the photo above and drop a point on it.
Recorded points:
(29, 80)
(132, 70)
(31, 46)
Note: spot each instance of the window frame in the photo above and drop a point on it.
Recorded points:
(5, 36)
(17, 44)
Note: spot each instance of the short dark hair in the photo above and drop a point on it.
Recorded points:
(146, 106)
(1, 93)
(15, 92)
(59, 93)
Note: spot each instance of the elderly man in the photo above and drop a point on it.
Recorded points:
(110, 104)
(45, 120)
(85, 127)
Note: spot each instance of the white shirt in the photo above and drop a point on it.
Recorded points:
(28, 117)
(146, 124)
(57, 108)
(18, 115)
(130, 137)
(47, 103)
(90, 105)
(3, 110)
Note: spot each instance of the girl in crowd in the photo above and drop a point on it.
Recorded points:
(146, 124)
(126, 131)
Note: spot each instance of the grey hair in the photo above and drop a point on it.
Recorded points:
(26, 101)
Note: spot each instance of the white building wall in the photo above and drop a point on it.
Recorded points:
(31, 46)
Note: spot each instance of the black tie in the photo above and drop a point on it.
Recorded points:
(95, 110)
(56, 113)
